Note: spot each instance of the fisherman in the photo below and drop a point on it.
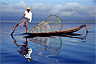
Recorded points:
(24, 20)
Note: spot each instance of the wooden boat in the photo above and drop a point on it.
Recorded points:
(54, 33)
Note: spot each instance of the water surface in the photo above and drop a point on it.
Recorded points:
(77, 48)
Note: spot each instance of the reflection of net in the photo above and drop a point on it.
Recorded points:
(52, 23)
(52, 44)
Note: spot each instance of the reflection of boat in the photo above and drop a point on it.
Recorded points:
(77, 36)
(51, 44)
(71, 35)
(67, 31)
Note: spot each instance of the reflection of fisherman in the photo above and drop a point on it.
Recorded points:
(25, 51)
(28, 54)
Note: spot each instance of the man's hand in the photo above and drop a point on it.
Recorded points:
(29, 22)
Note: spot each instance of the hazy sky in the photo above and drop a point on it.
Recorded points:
(54, 2)
(67, 10)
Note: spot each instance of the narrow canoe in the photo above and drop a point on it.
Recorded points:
(67, 31)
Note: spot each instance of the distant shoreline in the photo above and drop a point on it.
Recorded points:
(40, 21)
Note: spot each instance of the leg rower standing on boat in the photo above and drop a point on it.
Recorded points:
(24, 20)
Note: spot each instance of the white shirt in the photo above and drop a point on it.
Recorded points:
(28, 15)
(28, 54)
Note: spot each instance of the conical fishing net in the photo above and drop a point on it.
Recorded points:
(52, 23)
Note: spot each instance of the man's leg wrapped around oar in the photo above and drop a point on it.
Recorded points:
(23, 22)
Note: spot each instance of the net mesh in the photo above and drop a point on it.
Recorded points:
(52, 23)
(52, 44)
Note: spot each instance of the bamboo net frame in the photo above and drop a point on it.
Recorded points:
(45, 26)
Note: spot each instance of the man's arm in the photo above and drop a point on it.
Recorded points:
(30, 18)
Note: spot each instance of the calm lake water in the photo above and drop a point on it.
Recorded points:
(78, 48)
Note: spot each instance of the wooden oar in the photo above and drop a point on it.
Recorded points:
(16, 26)
(14, 29)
